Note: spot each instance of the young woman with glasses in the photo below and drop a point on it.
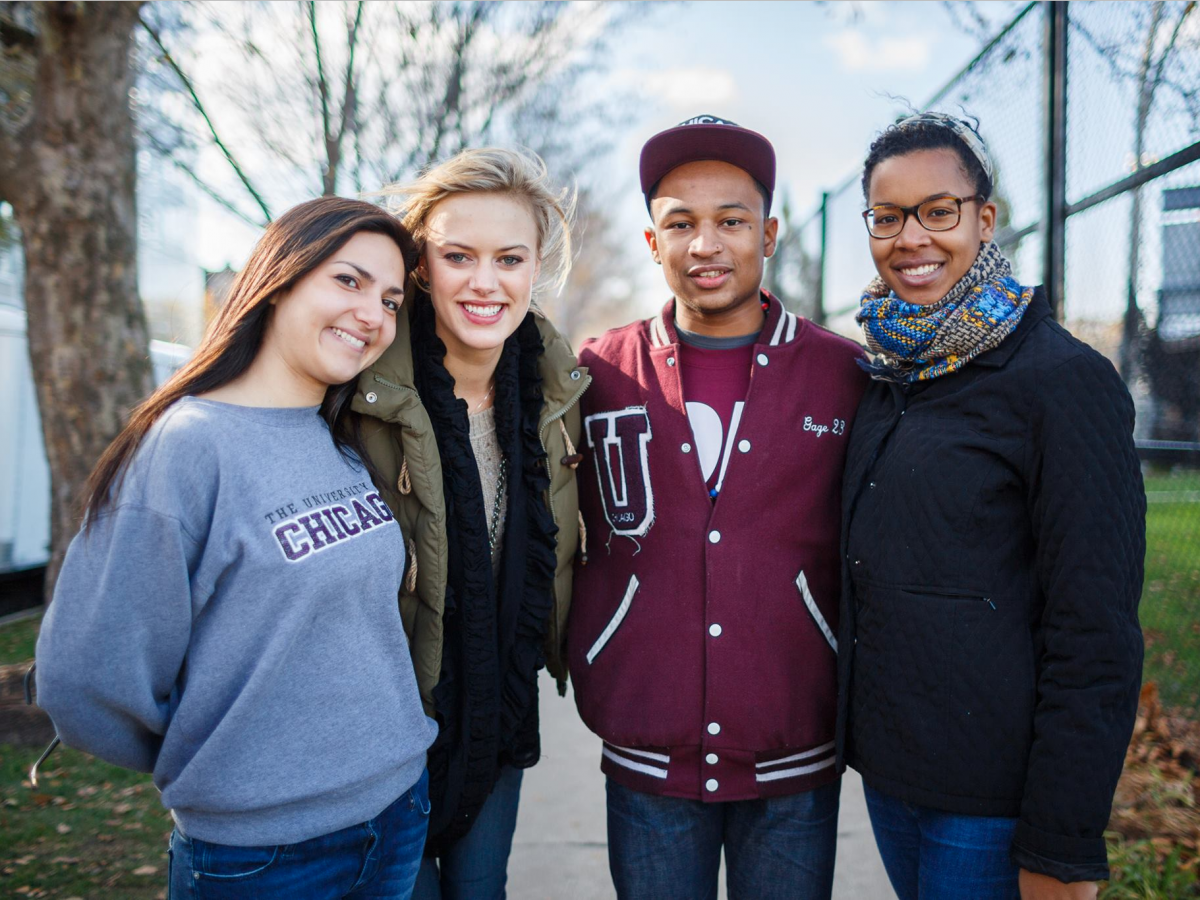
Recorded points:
(994, 536)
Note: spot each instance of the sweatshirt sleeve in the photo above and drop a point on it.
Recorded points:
(1088, 509)
(114, 638)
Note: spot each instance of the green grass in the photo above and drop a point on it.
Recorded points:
(88, 830)
(17, 640)
(1170, 608)
(1173, 481)
(1139, 874)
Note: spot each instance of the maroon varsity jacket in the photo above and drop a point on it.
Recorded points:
(702, 638)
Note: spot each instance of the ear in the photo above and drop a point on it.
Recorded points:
(537, 269)
(987, 221)
(770, 232)
(652, 243)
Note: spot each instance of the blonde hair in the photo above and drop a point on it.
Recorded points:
(520, 174)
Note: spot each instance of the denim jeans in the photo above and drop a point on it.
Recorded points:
(935, 855)
(375, 860)
(476, 867)
(667, 848)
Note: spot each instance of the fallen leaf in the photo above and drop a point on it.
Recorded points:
(121, 808)
(146, 870)
(62, 828)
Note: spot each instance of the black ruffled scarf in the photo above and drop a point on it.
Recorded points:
(486, 698)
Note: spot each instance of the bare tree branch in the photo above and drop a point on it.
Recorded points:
(178, 162)
(170, 61)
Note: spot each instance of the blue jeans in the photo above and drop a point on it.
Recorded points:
(935, 855)
(476, 867)
(667, 848)
(376, 860)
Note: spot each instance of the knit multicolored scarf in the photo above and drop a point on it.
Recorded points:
(912, 342)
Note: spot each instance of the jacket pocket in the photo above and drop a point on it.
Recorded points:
(992, 692)
(815, 611)
(615, 622)
(942, 690)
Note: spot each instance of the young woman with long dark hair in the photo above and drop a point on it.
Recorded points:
(472, 420)
(227, 619)
(994, 529)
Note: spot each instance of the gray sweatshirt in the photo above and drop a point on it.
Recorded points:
(231, 625)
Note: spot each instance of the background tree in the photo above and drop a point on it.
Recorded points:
(261, 105)
(68, 169)
(266, 104)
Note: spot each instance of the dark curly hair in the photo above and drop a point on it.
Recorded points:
(897, 141)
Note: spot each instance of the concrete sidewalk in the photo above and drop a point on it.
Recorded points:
(560, 851)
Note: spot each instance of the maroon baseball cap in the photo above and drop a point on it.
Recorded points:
(707, 137)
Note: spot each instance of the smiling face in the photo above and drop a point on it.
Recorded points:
(922, 266)
(340, 317)
(710, 238)
(481, 261)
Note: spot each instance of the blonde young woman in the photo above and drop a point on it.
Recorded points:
(471, 417)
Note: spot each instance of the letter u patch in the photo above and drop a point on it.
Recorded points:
(618, 441)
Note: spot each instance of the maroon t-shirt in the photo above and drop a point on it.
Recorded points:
(715, 382)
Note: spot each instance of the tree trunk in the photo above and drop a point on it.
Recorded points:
(71, 182)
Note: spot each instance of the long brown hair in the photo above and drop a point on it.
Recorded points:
(293, 245)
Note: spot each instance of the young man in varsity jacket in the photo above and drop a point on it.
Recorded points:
(702, 634)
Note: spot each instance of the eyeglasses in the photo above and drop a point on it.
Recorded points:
(937, 214)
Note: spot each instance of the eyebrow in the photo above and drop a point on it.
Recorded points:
(368, 277)
(918, 203)
(462, 246)
(683, 210)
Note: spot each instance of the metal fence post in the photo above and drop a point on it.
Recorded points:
(1054, 247)
(819, 305)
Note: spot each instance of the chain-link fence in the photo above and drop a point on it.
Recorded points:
(1092, 115)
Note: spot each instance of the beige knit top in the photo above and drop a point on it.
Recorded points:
(488, 457)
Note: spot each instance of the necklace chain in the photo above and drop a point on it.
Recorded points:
(485, 397)
(501, 485)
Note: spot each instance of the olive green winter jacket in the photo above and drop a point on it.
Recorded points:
(403, 449)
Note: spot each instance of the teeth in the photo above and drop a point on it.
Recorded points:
(923, 270)
(349, 338)
(482, 311)
(710, 273)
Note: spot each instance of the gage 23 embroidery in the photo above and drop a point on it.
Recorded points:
(837, 426)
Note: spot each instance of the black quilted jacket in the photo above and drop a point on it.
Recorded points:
(994, 535)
